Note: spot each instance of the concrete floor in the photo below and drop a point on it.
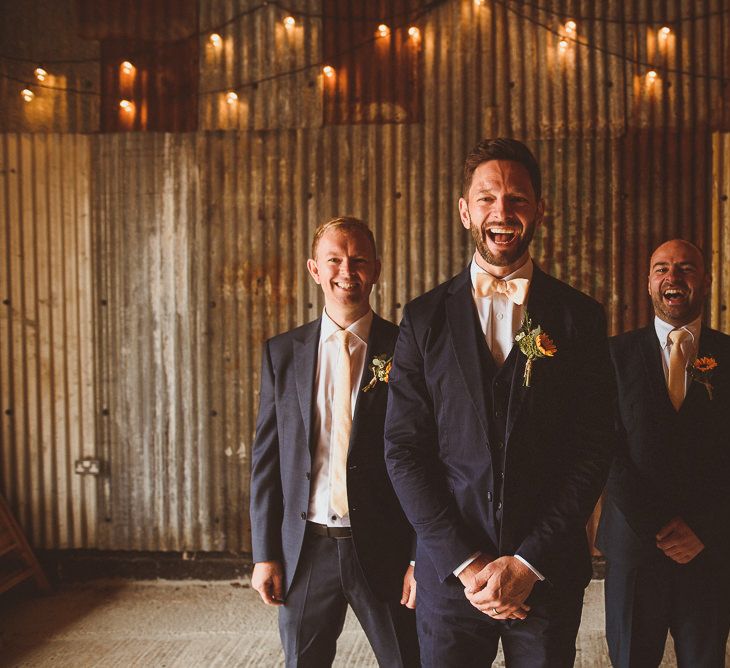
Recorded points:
(186, 624)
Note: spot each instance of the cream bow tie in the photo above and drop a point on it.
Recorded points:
(514, 289)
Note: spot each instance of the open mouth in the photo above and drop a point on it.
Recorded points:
(674, 296)
(348, 287)
(502, 236)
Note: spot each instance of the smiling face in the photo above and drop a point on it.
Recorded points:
(678, 282)
(346, 267)
(501, 212)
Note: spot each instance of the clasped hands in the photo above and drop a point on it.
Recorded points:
(498, 587)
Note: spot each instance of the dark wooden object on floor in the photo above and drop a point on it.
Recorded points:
(17, 561)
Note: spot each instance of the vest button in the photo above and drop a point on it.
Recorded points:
(307, 475)
(499, 505)
(498, 414)
(500, 475)
(499, 445)
(303, 516)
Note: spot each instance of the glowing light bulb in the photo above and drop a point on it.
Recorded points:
(231, 97)
(40, 74)
(563, 44)
(664, 31)
(127, 67)
(478, 3)
(651, 76)
(127, 106)
(290, 22)
(414, 33)
(27, 94)
(570, 26)
(328, 71)
(215, 39)
(383, 30)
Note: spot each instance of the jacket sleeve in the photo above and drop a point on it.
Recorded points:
(411, 453)
(267, 507)
(588, 449)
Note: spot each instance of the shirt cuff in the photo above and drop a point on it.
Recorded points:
(413, 562)
(540, 576)
(464, 564)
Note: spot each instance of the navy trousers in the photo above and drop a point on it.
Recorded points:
(453, 633)
(327, 579)
(644, 603)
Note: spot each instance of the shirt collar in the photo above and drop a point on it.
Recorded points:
(525, 271)
(663, 328)
(360, 328)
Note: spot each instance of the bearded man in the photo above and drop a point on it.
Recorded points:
(499, 434)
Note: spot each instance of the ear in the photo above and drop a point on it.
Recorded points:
(540, 213)
(314, 271)
(464, 213)
(378, 267)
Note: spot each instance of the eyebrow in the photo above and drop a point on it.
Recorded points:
(685, 263)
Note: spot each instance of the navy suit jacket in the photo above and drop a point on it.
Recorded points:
(669, 463)
(556, 450)
(282, 461)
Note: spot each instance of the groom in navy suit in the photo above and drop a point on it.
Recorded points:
(326, 527)
(497, 476)
(665, 522)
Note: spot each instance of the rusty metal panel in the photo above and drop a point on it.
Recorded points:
(46, 337)
(720, 292)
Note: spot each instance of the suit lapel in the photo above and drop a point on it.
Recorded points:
(538, 304)
(305, 360)
(460, 313)
(696, 392)
(376, 346)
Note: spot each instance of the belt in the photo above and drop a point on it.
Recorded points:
(330, 532)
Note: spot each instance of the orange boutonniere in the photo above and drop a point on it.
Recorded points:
(380, 366)
(700, 370)
(534, 344)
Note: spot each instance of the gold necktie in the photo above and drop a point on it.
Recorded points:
(515, 289)
(677, 368)
(341, 426)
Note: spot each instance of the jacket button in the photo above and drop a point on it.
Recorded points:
(498, 414)
(307, 475)
(499, 445)
(500, 475)
(304, 516)
(499, 505)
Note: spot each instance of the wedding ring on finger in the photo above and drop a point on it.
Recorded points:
(495, 612)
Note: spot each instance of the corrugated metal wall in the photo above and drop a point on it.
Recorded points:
(198, 241)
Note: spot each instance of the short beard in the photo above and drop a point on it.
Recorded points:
(509, 256)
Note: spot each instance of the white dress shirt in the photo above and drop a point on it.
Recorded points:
(328, 351)
(690, 346)
(501, 319)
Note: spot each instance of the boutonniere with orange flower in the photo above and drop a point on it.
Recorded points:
(380, 366)
(701, 371)
(534, 344)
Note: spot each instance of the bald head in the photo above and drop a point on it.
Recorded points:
(678, 282)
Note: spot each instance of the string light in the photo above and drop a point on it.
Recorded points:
(665, 31)
(563, 44)
(570, 26)
(478, 3)
(651, 76)
(383, 30)
(414, 33)
(290, 22)
(127, 67)
(127, 106)
(40, 74)
(231, 97)
(215, 39)
(27, 94)
(328, 71)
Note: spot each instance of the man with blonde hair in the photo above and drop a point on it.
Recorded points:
(327, 529)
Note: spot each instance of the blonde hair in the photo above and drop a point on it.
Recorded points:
(343, 223)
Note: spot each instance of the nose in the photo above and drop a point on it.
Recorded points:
(501, 209)
(346, 266)
(673, 273)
